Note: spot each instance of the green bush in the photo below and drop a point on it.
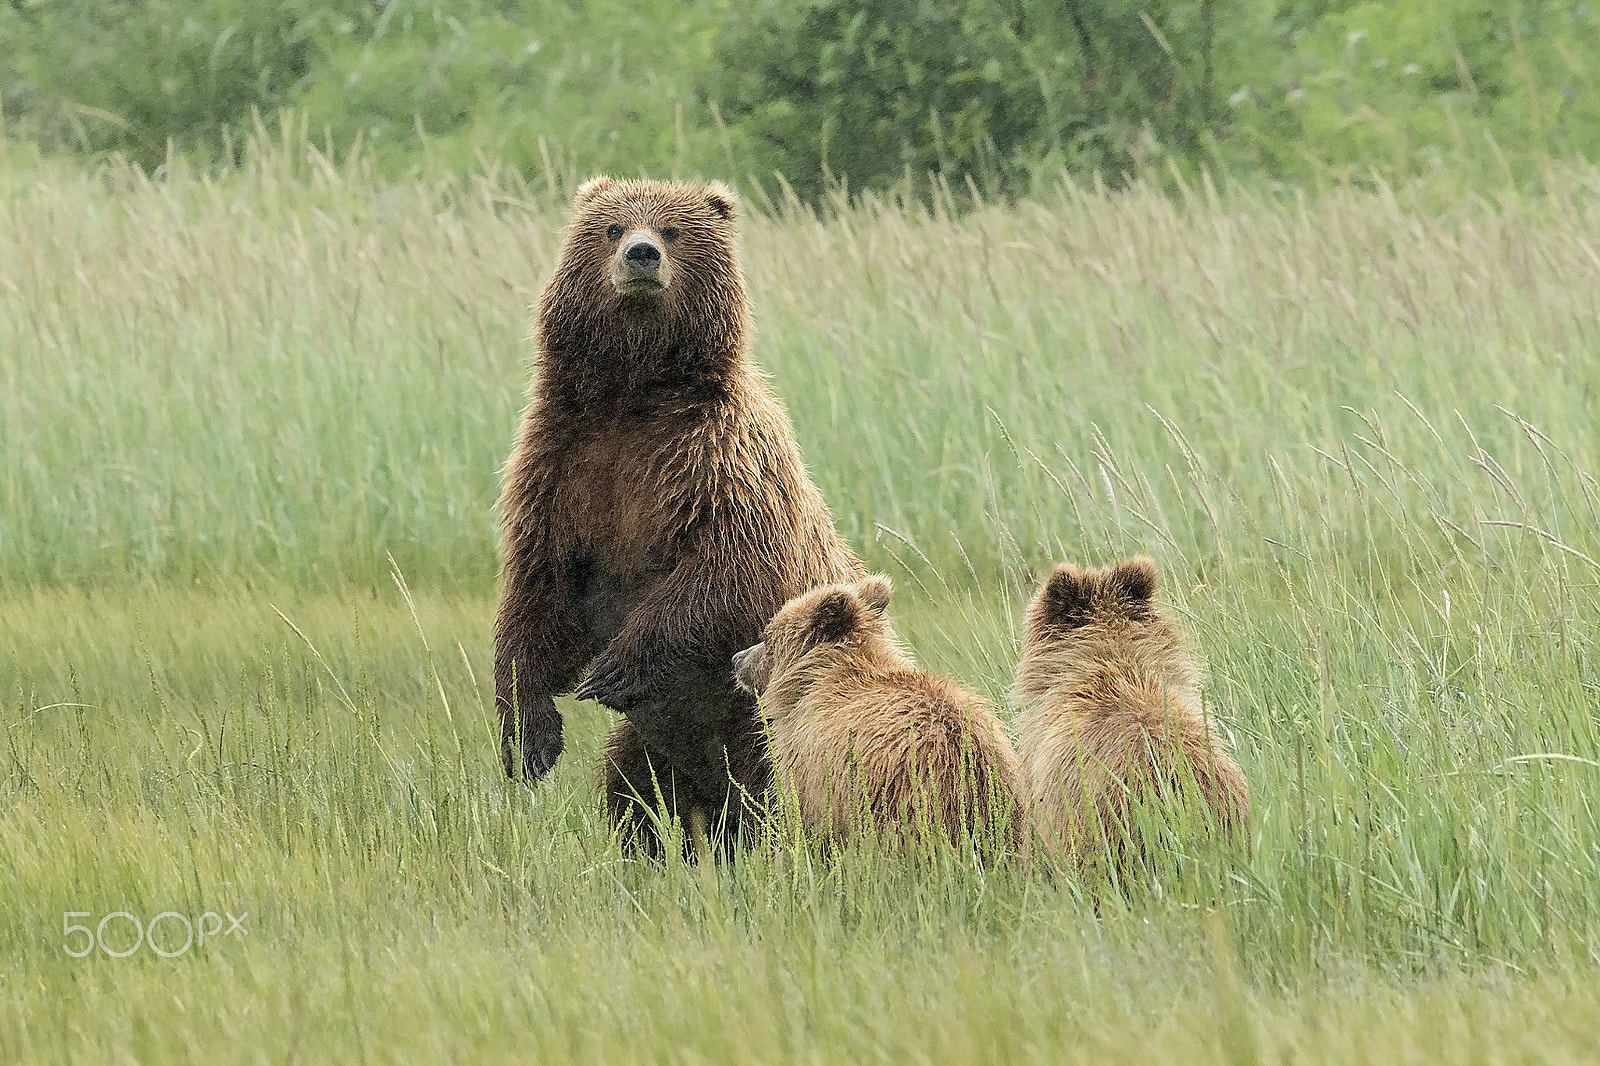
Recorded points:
(132, 75)
(877, 89)
(991, 89)
(602, 85)
(1005, 93)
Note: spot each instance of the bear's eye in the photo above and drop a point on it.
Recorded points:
(670, 233)
(613, 232)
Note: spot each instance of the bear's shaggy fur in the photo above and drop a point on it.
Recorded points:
(860, 734)
(1112, 729)
(655, 513)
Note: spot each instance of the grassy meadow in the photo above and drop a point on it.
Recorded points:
(250, 437)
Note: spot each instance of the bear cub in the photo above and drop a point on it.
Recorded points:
(862, 736)
(1112, 729)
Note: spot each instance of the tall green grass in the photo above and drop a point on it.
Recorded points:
(290, 374)
(1357, 434)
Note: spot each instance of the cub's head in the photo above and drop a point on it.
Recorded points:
(1075, 597)
(648, 265)
(1088, 620)
(813, 627)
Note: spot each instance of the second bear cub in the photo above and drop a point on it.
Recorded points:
(1112, 727)
(860, 733)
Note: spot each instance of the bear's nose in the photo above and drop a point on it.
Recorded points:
(642, 256)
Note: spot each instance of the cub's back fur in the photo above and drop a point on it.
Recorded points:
(1112, 718)
(858, 731)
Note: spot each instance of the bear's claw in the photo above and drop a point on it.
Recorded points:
(539, 754)
(610, 683)
(540, 734)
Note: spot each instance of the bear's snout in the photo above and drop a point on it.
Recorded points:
(642, 256)
(747, 668)
(640, 266)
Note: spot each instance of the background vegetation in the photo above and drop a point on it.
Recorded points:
(1356, 429)
(1302, 298)
(1002, 93)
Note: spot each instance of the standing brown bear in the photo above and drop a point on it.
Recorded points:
(864, 739)
(1112, 730)
(656, 512)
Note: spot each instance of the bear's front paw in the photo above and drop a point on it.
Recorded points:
(612, 684)
(531, 746)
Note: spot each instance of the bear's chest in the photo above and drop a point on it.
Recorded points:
(617, 497)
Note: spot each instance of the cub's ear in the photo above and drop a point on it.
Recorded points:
(875, 591)
(1065, 600)
(834, 618)
(721, 200)
(1133, 582)
(592, 188)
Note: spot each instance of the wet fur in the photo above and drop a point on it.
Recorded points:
(655, 515)
(1112, 717)
(859, 731)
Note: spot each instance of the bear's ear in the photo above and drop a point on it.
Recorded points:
(875, 591)
(1066, 599)
(592, 188)
(721, 200)
(1132, 582)
(834, 618)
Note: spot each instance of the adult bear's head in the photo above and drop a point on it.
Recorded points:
(648, 290)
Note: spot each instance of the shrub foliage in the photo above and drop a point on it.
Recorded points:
(867, 92)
